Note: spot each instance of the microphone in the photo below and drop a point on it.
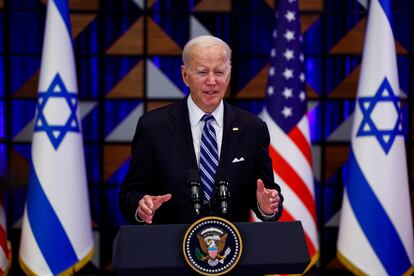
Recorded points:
(223, 195)
(193, 182)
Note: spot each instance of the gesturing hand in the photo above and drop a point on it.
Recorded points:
(268, 199)
(149, 204)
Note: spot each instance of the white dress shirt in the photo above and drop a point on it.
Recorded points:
(197, 125)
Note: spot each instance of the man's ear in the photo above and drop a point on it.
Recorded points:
(184, 74)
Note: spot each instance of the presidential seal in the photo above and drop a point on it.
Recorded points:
(212, 246)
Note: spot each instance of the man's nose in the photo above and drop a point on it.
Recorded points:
(211, 79)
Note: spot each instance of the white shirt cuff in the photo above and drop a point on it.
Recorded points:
(265, 216)
(137, 218)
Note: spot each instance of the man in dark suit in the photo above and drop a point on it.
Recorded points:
(171, 141)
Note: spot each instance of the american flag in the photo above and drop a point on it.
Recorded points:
(4, 245)
(285, 115)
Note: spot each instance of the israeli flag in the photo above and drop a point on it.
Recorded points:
(56, 233)
(376, 230)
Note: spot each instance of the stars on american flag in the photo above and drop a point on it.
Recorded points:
(286, 82)
(289, 35)
(290, 15)
(270, 90)
(287, 111)
(288, 73)
(289, 54)
(302, 96)
(287, 92)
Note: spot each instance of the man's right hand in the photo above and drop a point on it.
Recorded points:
(149, 204)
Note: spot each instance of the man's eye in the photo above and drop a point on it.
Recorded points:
(201, 73)
(220, 73)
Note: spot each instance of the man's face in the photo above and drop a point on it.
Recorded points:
(207, 76)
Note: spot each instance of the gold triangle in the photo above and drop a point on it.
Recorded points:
(84, 5)
(131, 42)
(304, 5)
(336, 156)
(353, 41)
(213, 5)
(114, 157)
(271, 3)
(29, 88)
(256, 88)
(306, 21)
(311, 93)
(400, 49)
(80, 4)
(131, 86)
(19, 169)
(348, 87)
(150, 3)
(311, 5)
(80, 22)
(151, 105)
(160, 43)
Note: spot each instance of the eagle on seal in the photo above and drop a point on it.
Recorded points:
(212, 247)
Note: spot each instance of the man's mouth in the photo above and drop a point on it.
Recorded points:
(210, 92)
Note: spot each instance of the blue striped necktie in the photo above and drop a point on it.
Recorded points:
(208, 156)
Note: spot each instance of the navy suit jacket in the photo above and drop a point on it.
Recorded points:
(163, 153)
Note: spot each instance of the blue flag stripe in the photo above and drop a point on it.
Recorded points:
(378, 229)
(63, 8)
(47, 229)
(386, 6)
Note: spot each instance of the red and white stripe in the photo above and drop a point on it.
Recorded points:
(4, 249)
(292, 166)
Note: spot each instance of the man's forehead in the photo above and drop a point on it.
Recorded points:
(221, 66)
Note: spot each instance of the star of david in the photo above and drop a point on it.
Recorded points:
(385, 137)
(52, 99)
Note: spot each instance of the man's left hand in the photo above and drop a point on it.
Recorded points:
(268, 199)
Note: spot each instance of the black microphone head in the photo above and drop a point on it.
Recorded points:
(193, 176)
(222, 193)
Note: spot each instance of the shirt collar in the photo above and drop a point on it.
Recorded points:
(196, 113)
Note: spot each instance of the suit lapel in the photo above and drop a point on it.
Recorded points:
(179, 124)
(231, 134)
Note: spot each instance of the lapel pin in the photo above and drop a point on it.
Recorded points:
(235, 129)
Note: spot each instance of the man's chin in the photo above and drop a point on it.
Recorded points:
(211, 105)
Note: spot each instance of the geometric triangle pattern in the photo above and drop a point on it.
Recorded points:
(256, 88)
(114, 157)
(343, 132)
(26, 132)
(348, 87)
(125, 129)
(131, 42)
(159, 86)
(213, 6)
(196, 28)
(131, 86)
(159, 42)
(353, 41)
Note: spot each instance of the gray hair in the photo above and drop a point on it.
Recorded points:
(204, 41)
